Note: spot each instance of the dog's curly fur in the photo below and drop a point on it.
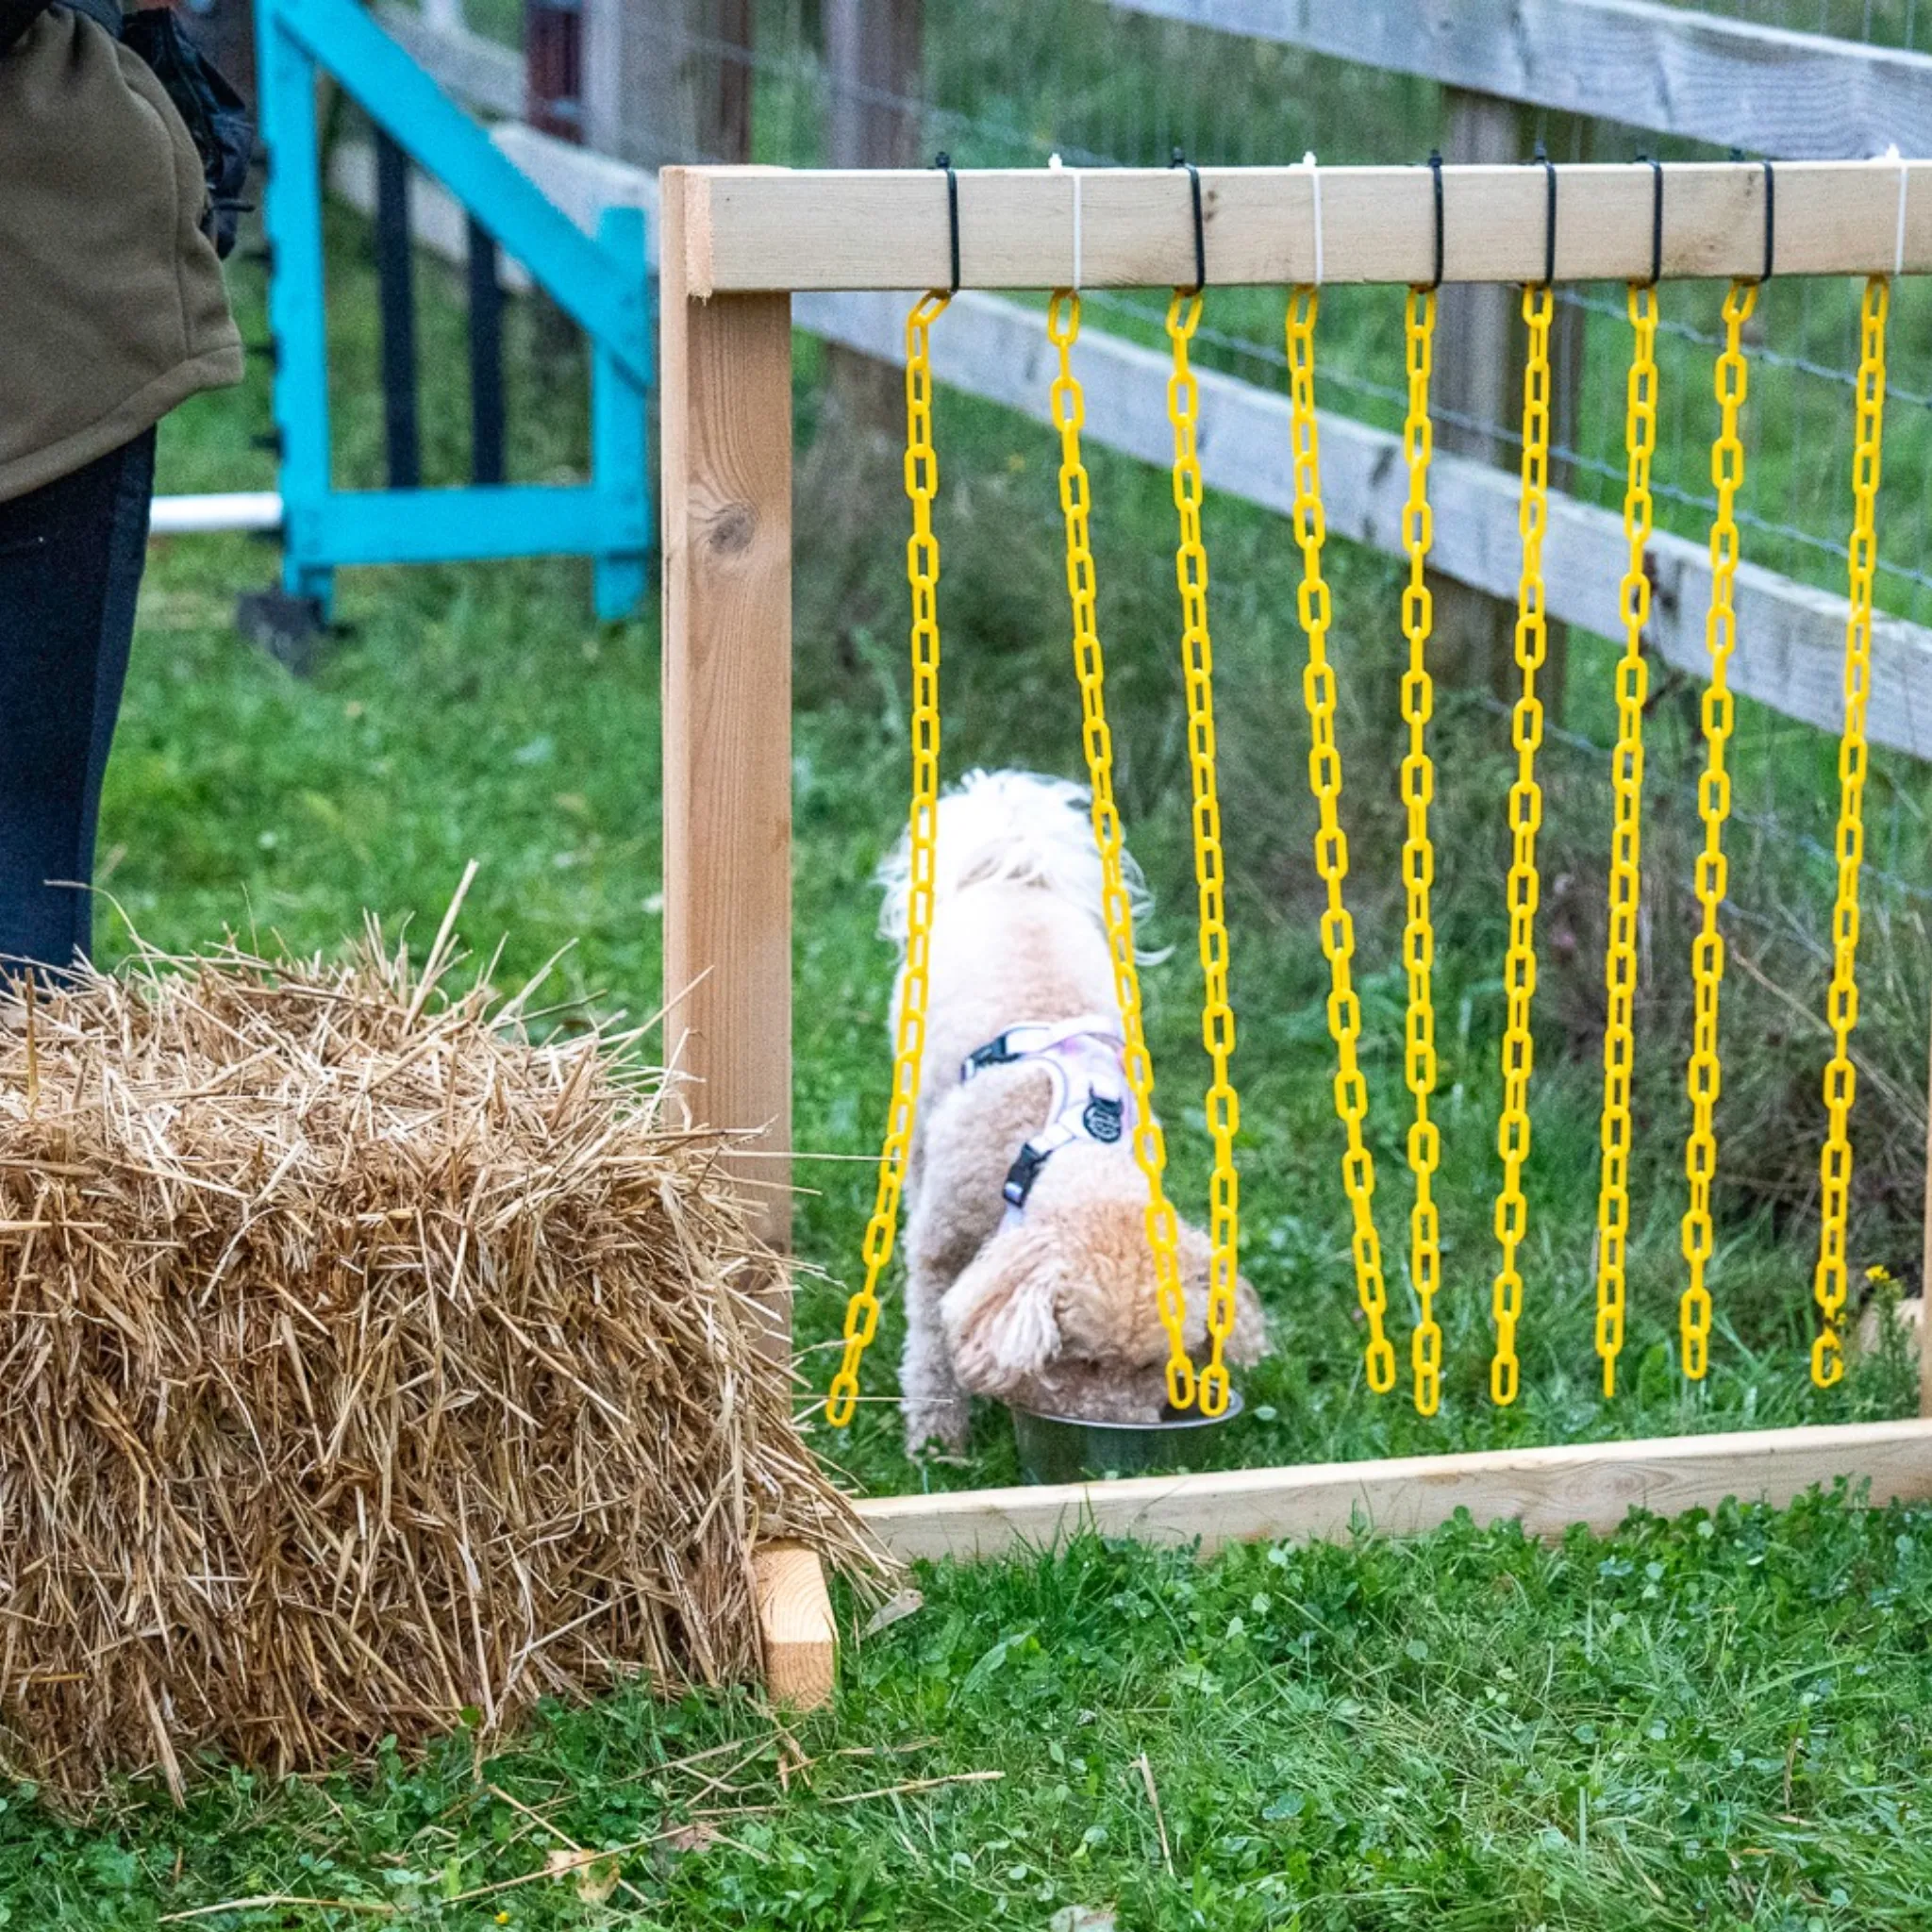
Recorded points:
(1059, 1312)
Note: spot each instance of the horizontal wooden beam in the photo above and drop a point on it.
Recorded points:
(1669, 70)
(1546, 1490)
(776, 229)
(480, 73)
(1790, 637)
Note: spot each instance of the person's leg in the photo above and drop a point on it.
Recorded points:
(70, 556)
(127, 559)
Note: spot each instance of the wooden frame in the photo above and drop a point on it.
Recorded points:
(737, 244)
(774, 230)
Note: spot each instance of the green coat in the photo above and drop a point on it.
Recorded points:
(111, 303)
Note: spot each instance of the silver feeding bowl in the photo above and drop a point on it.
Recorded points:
(1059, 1449)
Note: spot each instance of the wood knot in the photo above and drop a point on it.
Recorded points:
(732, 529)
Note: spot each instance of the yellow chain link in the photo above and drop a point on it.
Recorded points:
(1830, 1282)
(1627, 786)
(923, 574)
(1526, 817)
(1217, 1015)
(1150, 1147)
(1704, 1073)
(1418, 856)
(1331, 842)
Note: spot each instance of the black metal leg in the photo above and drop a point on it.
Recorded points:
(396, 295)
(485, 359)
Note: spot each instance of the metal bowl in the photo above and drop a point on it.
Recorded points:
(1059, 1449)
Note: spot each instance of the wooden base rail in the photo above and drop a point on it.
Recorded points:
(1546, 1489)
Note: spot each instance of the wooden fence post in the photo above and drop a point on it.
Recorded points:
(874, 68)
(1925, 1278)
(725, 398)
(668, 80)
(1479, 378)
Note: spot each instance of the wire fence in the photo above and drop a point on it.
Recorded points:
(1012, 82)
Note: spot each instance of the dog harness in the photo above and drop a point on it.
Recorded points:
(1083, 1057)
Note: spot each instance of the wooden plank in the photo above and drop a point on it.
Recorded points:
(801, 1641)
(1546, 1489)
(582, 183)
(1668, 69)
(480, 73)
(726, 463)
(756, 228)
(1791, 637)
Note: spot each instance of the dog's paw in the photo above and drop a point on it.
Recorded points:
(945, 1422)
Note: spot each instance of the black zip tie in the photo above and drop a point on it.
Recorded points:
(1656, 218)
(1180, 161)
(1540, 158)
(1434, 167)
(942, 159)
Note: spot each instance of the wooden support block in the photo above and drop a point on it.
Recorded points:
(727, 436)
(795, 1621)
(1547, 1490)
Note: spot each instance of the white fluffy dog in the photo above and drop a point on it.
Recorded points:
(1028, 1272)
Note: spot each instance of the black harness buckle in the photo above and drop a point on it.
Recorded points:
(1021, 1174)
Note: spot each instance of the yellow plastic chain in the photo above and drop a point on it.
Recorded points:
(1526, 817)
(1150, 1147)
(1627, 786)
(1331, 842)
(1217, 1015)
(1418, 856)
(923, 573)
(1841, 1002)
(1704, 1075)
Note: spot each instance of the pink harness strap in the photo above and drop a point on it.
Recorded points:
(1085, 1059)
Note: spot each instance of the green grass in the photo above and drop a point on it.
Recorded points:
(1724, 1721)
(1715, 1723)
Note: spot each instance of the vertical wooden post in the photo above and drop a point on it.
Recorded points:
(874, 65)
(725, 399)
(1925, 1276)
(668, 80)
(1477, 387)
(1479, 378)
(729, 99)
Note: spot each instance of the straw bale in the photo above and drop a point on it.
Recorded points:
(366, 1367)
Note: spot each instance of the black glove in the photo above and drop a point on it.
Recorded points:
(215, 114)
(16, 16)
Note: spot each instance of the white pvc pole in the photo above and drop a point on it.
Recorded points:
(232, 510)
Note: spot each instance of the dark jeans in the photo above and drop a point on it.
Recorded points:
(71, 558)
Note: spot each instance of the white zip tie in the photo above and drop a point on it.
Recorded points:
(1315, 192)
(1898, 262)
(1055, 162)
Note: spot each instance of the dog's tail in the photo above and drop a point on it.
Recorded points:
(1017, 828)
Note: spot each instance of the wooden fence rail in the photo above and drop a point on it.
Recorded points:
(1667, 69)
